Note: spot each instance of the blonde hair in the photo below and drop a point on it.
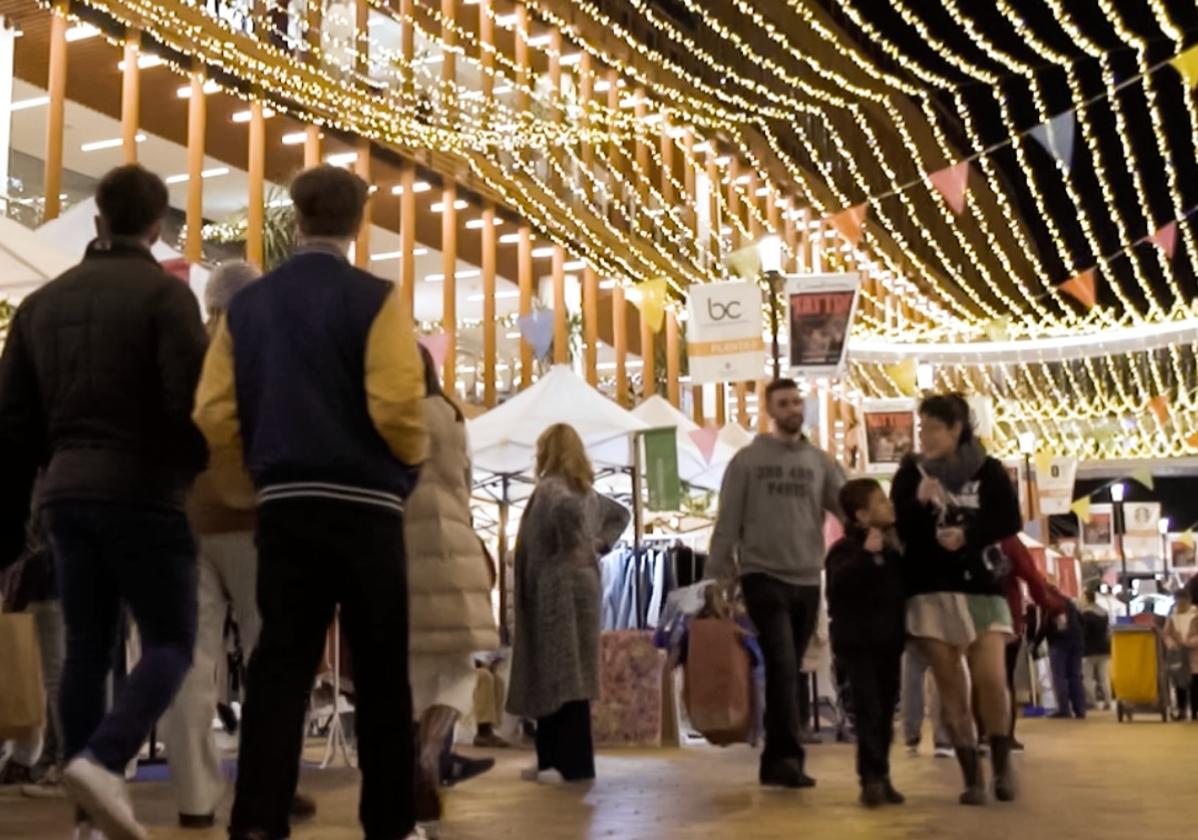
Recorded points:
(560, 452)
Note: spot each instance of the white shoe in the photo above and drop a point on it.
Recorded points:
(530, 774)
(944, 752)
(86, 831)
(103, 795)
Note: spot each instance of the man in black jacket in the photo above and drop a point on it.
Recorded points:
(1066, 646)
(97, 385)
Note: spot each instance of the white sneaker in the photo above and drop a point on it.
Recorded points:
(944, 752)
(86, 831)
(103, 795)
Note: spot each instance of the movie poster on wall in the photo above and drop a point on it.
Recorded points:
(820, 309)
(889, 427)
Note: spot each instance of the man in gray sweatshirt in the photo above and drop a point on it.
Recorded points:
(770, 534)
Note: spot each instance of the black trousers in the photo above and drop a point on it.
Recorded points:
(874, 677)
(784, 615)
(564, 742)
(313, 556)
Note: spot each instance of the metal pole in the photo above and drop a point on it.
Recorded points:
(501, 572)
(1122, 558)
(771, 279)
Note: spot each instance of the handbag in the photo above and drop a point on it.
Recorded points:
(719, 681)
(22, 694)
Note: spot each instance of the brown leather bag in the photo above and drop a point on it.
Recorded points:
(719, 681)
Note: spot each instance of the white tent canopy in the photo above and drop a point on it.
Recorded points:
(504, 439)
(693, 468)
(733, 438)
(27, 262)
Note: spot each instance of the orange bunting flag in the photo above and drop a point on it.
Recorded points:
(1159, 406)
(952, 183)
(1192, 441)
(1186, 64)
(1165, 238)
(1083, 288)
(850, 223)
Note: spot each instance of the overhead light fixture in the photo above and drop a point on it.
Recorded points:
(762, 192)
(509, 239)
(743, 179)
(539, 41)
(246, 116)
(700, 148)
(478, 224)
(295, 138)
(207, 173)
(607, 284)
(397, 255)
(507, 21)
(439, 206)
(114, 143)
(723, 160)
(602, 86)
(513, 335)
(769, 251)
(144, 62)
(341, 159)
(504, 295)
(417, 187)
(652, 119)
(468, 274)
(210, 87)
(279, 203)
(575, 265)
(26, 104)
(542, 253)
(570, 60)
(434, 59)
(501, 90)
(81, 33)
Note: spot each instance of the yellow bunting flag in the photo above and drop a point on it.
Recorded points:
(1083, 288)
(745, 263)
(905, 376)
(1143, 475)
(1043, 462)
(1081, 507)
(1159, 406)
(653, 302)
(850, 223)
(1186, 64)
(998, 329)
(1187, 539)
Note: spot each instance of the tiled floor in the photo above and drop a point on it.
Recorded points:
(1094, 779)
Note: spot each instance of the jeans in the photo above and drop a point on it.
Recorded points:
(109, 553)
(874, 680)
(313, 556)
(915, 671)
(1096, 671)
(228, 570)
(784, 615)
(1066, 659)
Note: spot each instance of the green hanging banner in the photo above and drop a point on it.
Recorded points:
(661, 469)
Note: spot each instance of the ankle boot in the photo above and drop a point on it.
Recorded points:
(1004, 773)
(971, 772)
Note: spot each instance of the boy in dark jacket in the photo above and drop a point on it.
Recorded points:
(866, 605)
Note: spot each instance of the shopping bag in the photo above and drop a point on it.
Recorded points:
(22, 695)
(719, 682)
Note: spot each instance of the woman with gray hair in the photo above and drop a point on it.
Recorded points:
(228, 570)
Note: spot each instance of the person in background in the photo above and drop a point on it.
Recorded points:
(866, 607)
(1096, 651)
(314, 383)
(914, 689)
(228, 569)
(954, 504)
(1178, 629)
(566, 527)
(97, 383)
(1066, 645)
(450, 579)
(769, 533)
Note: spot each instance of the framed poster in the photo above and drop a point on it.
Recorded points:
(1055, 485)
(820, 308)
(1141, 519)
(1182, 551)
(724, 333)
(889, 427)
(1098, 535)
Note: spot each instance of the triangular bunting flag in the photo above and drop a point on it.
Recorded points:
(1056, 136)
(1186, 64)
(1043, 463)
(653, 302)
(1187, 539)
(705, 438)
(1083, 288)
(1165, 238)
(537, 329)
(850, 223)
(437, 345)
(745, 263)
(1192, 441)
(998, 329)
(952, 183)
(1143, 475)
(905, 376)
(1159, 406)
(1081, 507)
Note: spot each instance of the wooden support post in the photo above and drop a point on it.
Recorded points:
(648, 358)
(130, 96)
(490, 334)
(590, 324)
(197, 122)
(312, 146)
(362, 168)
(524, 278)
(407, 238)
(673, 360)
(56, 112)
(561, 331)
(255, 215)
(619, 329)
(449, 282)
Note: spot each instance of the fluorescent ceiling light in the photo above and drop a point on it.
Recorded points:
(762, 192)
(607, 284)
(144, 62)
(602, 86)
(507, 21)
(539, 41)
(570, 60)
(100, 145)
(245, 116)
(700, 148)
(397, 255)
(743, 179)
(542, 253)
(630, 364)
(513, 335)
(81, 33)
(504, 295)
(417, 187)
(207, 173)
(723, 160)
(434, 59)
(341, 159)
(477, 224)
(25, 104)
(469, 274)
(439, 206)
(210, 87)
(295, 138)
(279, 203)
(575, 265)
(509, 239)
(501, 90)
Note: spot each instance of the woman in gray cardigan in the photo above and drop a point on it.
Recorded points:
(555, 658)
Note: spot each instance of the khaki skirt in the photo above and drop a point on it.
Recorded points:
(956, 618)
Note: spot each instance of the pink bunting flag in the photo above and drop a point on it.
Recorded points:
(1165, 238)
(850, 223)
(705, 439)
(437, 344)
(952, 183)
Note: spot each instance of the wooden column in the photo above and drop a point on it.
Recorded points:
(312, 146)
(449, 61)
(314, 18)
(130, 96)
(648, 358)
(590, 324)
(486, 56)
(763, 419)
(255, 216)
(407, 238)
(667, 163)
(699, 413)
(586, 96)
(197, 122)
(721, 405)
(407, 48)
(613, 107)
(561, 332)
(714, 204)
(641, 110)
(490, 336)
(619, 329)
(734, 213)
(362, 168)
(523, 61)
(361, 45)
(524, 278)
(673, 360)
(449, 283)
(55, 112)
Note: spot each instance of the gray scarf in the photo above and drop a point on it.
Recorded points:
(954, 471)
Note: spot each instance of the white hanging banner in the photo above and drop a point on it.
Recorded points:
(820, 308)
(981, 409)
(889, 433)
(1141, 519)
(724, 333)
(1054, 486)
(1098, 535)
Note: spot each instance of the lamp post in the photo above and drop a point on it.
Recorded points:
(769, 250)
(1027, 447)
(1117, 490)
(1162, 526)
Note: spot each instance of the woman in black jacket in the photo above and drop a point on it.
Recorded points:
(954, 504)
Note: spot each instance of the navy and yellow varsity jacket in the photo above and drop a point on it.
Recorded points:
(315, 380)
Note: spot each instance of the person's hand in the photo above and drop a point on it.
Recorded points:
(874, 541)
(951, 539)
(929, 491)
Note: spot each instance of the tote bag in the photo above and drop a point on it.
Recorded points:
(22, 695)
(719, 681)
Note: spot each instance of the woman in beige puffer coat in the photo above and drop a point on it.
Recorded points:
(450, 580)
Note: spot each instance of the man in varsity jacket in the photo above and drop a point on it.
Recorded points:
(314, 379)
